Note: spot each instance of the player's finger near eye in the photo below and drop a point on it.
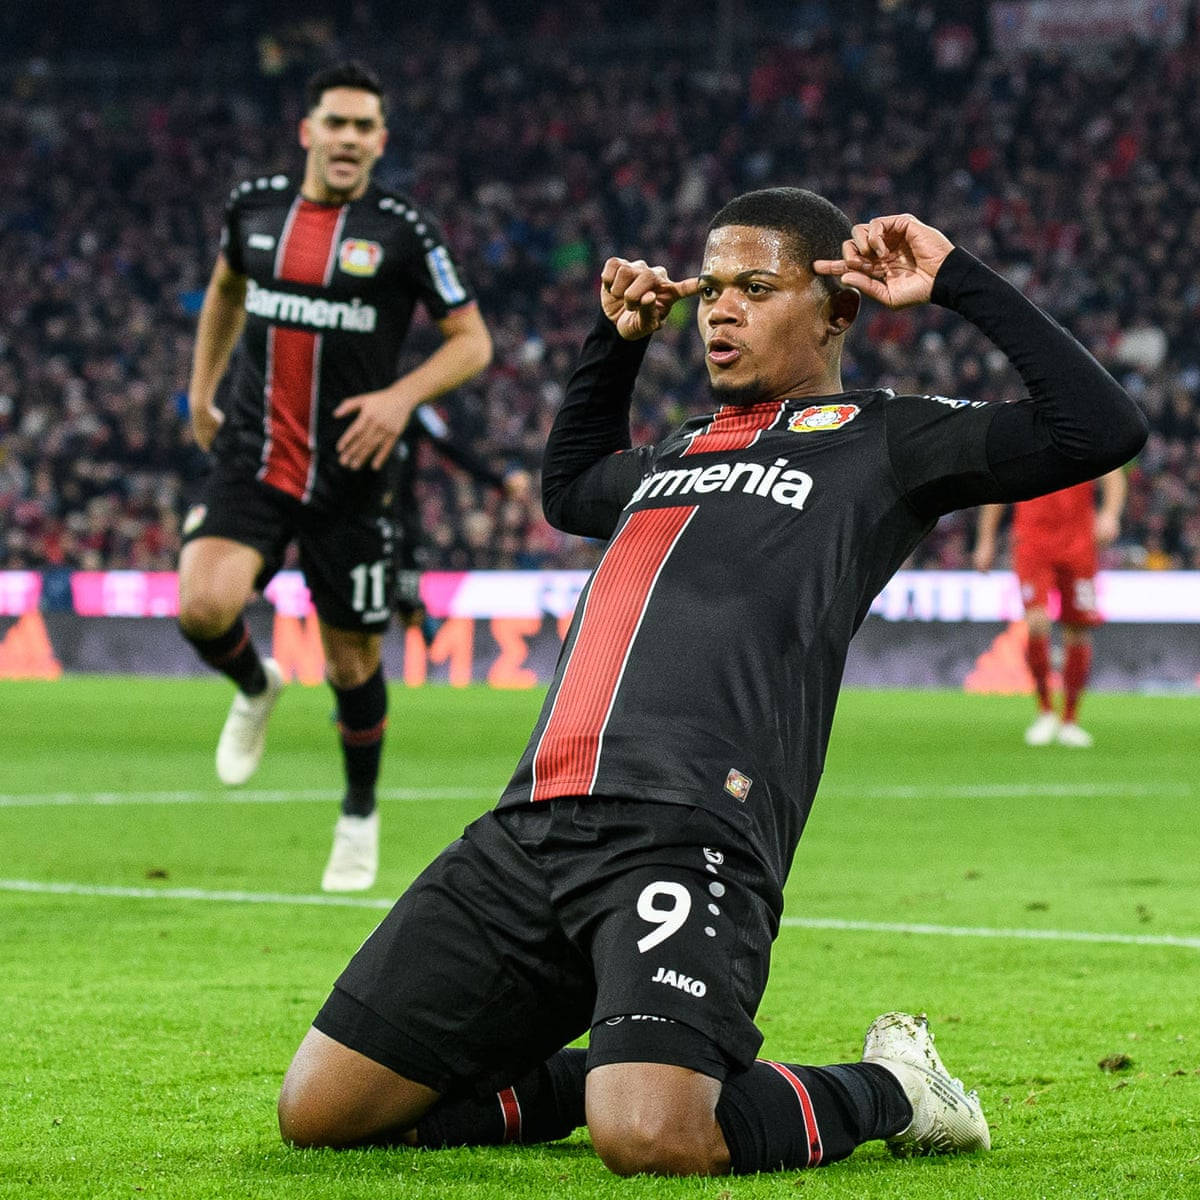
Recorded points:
(611, 267)
(646, 280)
(623, 280)
(686, 288)
(858, 244)
(637, 301)
(867, 284)
(875, 238)
(641, 286)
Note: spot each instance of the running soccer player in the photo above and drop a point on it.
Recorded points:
(316, 288)
(629, 883)
(1056, 543)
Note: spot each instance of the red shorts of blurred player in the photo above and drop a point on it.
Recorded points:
(1069, 571)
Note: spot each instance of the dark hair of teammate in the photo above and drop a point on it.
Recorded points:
(815, 228)
(350, 74)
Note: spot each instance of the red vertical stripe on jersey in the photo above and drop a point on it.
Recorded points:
(290, 399)
(811, 1131)
(510, 1110)
(734, 428)
(568, 753)
(304, 256)
(307, 243)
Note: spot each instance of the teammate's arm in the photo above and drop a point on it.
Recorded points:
(222, 316)
(986, 527)
(379, 417)
(1112, 503)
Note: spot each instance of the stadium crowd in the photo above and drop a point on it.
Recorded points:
(1076, 176)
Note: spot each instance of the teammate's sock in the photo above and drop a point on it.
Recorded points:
(1037, 655)
(542, 1106)
(361, 720)
(776, 1116)
(1077, 666)
(233, 654)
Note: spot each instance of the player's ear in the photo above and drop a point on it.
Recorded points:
(305, 133)
(843, 308)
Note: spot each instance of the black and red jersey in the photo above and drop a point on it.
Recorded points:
(703, 662)
(331, 290)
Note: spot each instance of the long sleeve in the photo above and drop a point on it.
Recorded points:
(586, 479)
(1076, 410)
(1076, 423)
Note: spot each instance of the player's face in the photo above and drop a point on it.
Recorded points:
(344, 136)
(764, 318)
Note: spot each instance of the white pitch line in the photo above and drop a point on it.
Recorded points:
(1001, 791)
(974, 791)
(35, 887)
(976, 931)
(222, 796)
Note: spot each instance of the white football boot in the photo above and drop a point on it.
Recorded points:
(947, 1118)
(244, 736)
(1070, 734)
(1042, 731)
(354, 860)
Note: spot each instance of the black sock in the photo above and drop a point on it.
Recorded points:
(543, 1106)
(361, 720)
(776, 1116)
(233, 654)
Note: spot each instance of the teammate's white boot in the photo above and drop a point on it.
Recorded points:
(244, 736)
(1070, 734)
(354, 860)
(1043, 730)
(947, 1119)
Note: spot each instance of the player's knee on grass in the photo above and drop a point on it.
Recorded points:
(333, 1096)
(655, 1119)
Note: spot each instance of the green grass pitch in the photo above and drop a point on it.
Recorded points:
(163, 943)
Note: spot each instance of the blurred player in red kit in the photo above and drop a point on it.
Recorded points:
(1056, 543)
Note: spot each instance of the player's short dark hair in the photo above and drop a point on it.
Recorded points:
(349, 74)
(815, 227)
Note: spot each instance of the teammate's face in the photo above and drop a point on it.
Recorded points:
(768, 326)
(344, 136)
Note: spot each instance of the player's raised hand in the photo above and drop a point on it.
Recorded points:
(636, 297)
(891, 259)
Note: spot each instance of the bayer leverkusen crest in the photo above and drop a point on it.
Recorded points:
(357, 256)
(817, 418)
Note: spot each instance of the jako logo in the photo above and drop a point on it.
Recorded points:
(685, 983)
(773, 482)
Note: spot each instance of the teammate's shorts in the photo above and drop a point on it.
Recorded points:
(346, 557)
(648, 923)
(1069, 571)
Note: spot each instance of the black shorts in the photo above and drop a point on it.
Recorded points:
(542, 922)
(346, 557)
